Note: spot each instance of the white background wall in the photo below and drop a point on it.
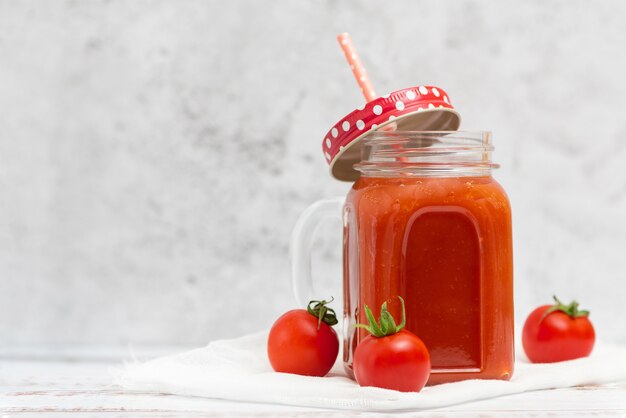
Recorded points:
(154, 155)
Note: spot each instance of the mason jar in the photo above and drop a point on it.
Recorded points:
(426, 221)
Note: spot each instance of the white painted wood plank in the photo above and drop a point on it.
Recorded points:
(85, 387)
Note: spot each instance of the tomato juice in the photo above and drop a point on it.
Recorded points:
(443, 244)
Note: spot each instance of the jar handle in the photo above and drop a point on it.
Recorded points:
(301, 244)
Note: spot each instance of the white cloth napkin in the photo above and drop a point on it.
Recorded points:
(238, 369)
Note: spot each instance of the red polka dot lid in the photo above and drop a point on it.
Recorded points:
(422, 108)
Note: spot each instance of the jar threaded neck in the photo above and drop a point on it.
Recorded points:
(426, 154)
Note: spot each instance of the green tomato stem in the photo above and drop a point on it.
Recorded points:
(387, 323)
(322, 312)
(571, 310)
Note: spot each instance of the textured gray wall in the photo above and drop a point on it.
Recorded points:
(154, 155)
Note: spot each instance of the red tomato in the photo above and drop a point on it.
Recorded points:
(392, 357)
(399, 362)
(557, 332)
(302, 343)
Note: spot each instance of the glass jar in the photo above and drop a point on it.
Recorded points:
(426, 221)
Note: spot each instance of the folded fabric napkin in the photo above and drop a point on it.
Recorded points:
(238, 369)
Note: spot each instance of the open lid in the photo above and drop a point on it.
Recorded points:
(422, 108)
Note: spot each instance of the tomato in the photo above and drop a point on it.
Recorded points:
(399, 362)
(391, 357)
(557, 332)
(303, 341)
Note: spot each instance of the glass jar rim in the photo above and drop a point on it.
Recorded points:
(483, 136)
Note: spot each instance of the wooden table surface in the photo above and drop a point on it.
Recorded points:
(79, 382)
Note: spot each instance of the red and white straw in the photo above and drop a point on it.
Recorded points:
(358, 70)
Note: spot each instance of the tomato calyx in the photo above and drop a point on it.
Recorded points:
(387, 323)
(322, 312)
(571, 310)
